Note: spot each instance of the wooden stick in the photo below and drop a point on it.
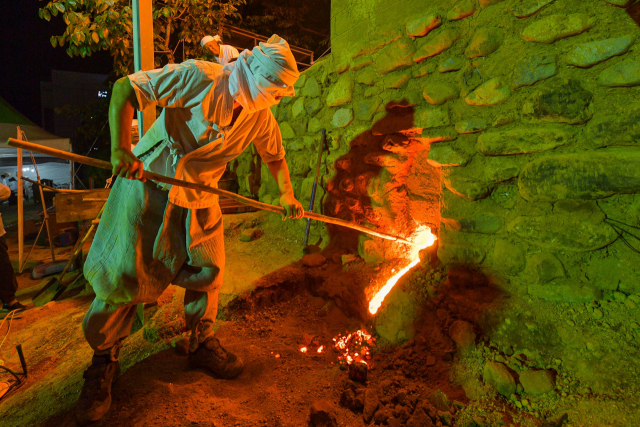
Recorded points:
(20, 208)
(50, 189)
(192, 185)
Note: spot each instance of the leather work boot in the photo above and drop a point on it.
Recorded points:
(212, 356)
(95, 398)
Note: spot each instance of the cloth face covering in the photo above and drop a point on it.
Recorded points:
(257, 77)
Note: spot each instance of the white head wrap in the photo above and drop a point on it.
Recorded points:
(269, 65)
(207, 39)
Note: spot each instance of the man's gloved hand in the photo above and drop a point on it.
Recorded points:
(126, 165)
(293, 208)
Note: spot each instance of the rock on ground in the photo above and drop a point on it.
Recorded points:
(322, 415)
(314, 260)
(537, 382)
(498, 376)
(462, 334)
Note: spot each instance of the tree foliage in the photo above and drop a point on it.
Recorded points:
(94, 25)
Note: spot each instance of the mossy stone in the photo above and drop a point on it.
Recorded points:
(365, 108)
(451, 64)
(587, 55)
(361, 62)
(533, 69)
(524, 140)
(313, 106)
(526, 8)
(484, 223)
(484, 42)
(556, 27)
(445, 155)
(422, 25)
(498, 376)
(439, 43)
(470, 126)
(508, 258)
(367, 77)
(297, 108)
(439, 93)
(342, 117)
(452, 254)
(623, 74)
(312, 88)
(462, 9)
(396, 56)
(492, 92)
(341, 92)
(431, 117)
(581, 176)
(397, 79)
(543, 267)
(286, 131)
(373, 91)
(314, 125)
(568, 102)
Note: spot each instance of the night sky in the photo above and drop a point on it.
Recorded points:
(28, 57)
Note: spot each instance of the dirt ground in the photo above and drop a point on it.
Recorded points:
(429, 381)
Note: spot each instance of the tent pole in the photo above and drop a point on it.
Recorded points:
(20, 206)
(44, 210)
(72, 183)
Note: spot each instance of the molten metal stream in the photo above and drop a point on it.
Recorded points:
(422, 239)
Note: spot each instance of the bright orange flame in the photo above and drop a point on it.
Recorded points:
(303, 350)
(422, 239)
(320, 349)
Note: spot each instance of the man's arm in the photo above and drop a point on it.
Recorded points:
(280, 172)
(122, 107)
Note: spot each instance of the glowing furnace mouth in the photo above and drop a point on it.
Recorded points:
(422, 238)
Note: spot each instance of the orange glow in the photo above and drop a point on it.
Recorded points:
(320, 349)
(303, 350)
(422, 239)
(352, 348)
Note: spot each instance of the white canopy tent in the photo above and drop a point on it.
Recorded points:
(16, 163)
(57, 170)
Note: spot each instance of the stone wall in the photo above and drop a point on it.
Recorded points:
(528, 109)
(510, 128)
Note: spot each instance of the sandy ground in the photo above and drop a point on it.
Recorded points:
(425, 382)
(57, 354)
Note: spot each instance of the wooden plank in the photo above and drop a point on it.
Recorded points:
(80, 205)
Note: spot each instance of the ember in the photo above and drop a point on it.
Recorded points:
(354, 347)
(303, 350)
(423, 238)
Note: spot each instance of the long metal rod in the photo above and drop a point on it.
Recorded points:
(315, 185)
(192, 185)
(78, 248)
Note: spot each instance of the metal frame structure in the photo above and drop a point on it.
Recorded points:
(299, 53)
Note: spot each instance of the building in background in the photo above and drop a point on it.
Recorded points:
(72, 89)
